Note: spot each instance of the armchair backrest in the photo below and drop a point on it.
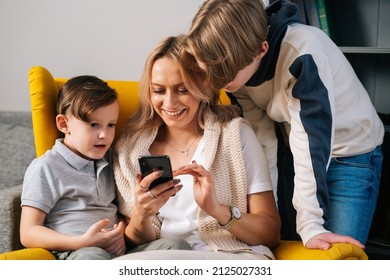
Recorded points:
(43, 94)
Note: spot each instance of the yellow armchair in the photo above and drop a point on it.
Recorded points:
(43, 93)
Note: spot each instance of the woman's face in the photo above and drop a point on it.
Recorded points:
(170, 98)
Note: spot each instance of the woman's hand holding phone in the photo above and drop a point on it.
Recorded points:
(149, 164)
(155, 185)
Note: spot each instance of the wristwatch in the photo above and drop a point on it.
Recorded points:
(236, 215)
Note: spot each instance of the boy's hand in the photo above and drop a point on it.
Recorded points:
(111, 240)
(325, 240)
(118, 248)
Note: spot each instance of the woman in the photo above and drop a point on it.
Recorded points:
(221, 200)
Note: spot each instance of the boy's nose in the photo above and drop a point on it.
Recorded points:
(102, 134)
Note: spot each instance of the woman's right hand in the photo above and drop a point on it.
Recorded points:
(147, 204)
(149, 201)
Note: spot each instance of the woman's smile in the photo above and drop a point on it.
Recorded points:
(174, 114)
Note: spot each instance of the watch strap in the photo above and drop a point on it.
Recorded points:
(232, 221)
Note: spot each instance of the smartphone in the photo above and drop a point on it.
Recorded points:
(148, 164)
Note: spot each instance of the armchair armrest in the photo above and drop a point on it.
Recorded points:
(10, 212)
(295, 250)
(286, 250)
(28, 254)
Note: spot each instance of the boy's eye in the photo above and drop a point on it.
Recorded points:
(94, 125)
(112, 125)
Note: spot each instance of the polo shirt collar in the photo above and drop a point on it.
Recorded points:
(72, 158)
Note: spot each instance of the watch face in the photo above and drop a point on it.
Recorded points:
(236, 213)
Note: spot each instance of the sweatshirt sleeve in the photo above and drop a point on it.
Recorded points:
(311, 139)
(264, 129)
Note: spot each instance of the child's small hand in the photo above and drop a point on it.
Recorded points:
(111, 240)
(118, 247)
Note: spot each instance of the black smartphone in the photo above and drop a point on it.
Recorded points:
(148, 164)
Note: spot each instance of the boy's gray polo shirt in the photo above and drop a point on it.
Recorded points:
(67, 188)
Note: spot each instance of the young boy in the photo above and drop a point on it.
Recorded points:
(69, 192)
(280, 70)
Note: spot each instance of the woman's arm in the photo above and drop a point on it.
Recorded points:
(261, 225)
(139, 230)
(147, 203)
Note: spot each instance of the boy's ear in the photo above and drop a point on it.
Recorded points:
(263, 50)
(62, 123)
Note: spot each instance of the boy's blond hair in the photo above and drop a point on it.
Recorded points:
(226, 35)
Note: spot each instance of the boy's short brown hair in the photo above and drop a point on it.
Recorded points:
(82, 95)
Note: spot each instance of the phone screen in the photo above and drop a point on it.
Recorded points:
(148, 164)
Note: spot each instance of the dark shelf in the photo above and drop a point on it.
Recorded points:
(365, 50)
(377, 251)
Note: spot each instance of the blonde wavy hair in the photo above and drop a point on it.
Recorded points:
(225, 36)
(145, 117)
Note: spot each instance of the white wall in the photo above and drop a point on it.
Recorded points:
(107, 38)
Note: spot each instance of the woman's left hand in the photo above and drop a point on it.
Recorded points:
(204, 189)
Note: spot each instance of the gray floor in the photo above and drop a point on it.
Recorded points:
(16, 147)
